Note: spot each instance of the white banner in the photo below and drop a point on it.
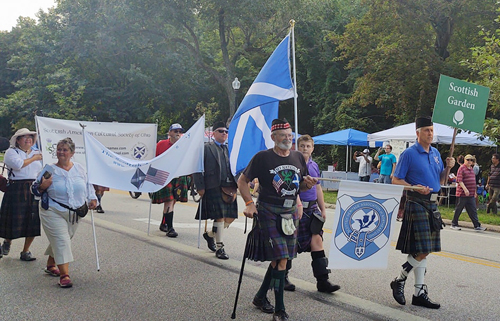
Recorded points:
(130, 140)
(107, 168)
(364, 218)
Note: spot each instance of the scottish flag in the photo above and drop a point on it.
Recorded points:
(250, 128)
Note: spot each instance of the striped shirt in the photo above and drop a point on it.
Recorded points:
(467, 176)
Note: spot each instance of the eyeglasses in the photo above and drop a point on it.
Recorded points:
(470, 160)
(222, 131)
(27, 136)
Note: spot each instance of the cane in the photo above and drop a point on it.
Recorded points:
(245, 254)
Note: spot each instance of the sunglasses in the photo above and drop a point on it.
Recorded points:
(470, 160)
(222, 131)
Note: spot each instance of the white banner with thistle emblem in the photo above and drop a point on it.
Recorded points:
(365, 214)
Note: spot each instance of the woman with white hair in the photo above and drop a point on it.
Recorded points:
(19, 211)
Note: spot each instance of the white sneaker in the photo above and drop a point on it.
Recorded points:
(455, 227)
(480, 228)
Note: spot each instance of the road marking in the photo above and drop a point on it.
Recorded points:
(238, 225)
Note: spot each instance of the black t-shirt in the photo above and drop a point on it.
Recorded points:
(279, 177)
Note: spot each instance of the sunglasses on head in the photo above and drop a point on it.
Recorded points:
(222, 131)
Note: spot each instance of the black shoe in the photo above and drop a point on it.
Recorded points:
(172, 233)
(326, 287)
(163, 228)
(210, 242)
(398, 291)
(424, 301)
(221, 254)
(281, 315)
(99, 209)
(289, 286)
(263, 304)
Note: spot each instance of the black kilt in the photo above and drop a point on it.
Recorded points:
(213, 207)
(19, 212)
(415, 235)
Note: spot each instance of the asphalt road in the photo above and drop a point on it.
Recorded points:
(152, 277)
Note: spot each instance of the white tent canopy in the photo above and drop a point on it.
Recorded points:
(442, 135)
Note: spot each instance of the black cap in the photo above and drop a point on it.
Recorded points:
(218, 124)
(423, 122)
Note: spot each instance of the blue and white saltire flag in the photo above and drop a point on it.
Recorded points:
(250, 128)
(106, 168)
(365, 215)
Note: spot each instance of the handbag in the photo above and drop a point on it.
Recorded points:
(81, 211)
(228, 194)
(435, 220)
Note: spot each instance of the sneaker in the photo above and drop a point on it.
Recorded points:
(27, 256)
(5, 248)
(263, 304)
(455, 227)
(172, 233)
(480, 228)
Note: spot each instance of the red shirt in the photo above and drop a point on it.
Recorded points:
(162, 146)
(467, 176)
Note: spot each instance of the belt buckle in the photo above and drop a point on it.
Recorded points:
(288, 203)
(434, 197)
(305, 204)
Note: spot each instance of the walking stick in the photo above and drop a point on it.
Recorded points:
(95, 240)
(245, 254)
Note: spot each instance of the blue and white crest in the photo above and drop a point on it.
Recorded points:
(364, 225)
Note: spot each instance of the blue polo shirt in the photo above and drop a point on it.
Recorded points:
(416, 166)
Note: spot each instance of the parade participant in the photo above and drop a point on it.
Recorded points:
(388, 164)
(217, 187)
(19, 215)
(281, 173)
(67, 189)
(313, 217)
(493, 184)
(421, 166)
(365, 164)
(176, 190)
(466, 194)
(99, 192)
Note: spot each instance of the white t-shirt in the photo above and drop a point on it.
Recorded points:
(365, 168)
(14, 159)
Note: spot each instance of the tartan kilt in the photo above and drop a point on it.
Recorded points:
(19, 212)
(304, 235)
(268, 242)
(213, 207)
(415, 235)
(166, 194)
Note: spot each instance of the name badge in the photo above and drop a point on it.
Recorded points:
(288, 203)
(434, 197)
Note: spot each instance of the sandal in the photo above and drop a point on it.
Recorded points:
(65, 281)
(52, 270)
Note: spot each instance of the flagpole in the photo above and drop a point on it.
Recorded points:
(91, 212)
(292, 24)
(203, 173)
(149, 219)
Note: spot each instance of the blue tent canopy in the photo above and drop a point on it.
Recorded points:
(349, 137)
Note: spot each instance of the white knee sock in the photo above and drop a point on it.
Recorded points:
(218, 231)
(420, 277)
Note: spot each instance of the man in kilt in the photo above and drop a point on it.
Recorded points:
(420, 166)
(282, 173)
(310, 233)
(210, 185)
(176, 190)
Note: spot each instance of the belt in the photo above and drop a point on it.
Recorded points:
(431, 197)
(309, 204)
(285, 202)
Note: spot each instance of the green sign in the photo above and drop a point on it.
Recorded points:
(460, 104)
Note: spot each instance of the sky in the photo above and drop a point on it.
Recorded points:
(10, 10)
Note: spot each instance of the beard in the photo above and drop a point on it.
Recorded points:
(285, 145)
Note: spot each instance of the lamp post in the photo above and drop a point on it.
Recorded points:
(236, 86)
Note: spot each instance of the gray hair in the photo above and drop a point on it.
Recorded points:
(67, 141)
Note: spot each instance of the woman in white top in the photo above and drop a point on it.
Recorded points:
(19, 211)
(68, 186)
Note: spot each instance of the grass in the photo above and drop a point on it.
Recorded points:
(446, 212)
(1, 157)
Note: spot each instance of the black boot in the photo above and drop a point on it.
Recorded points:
(321, 271)
(289, 286)
(163, 224)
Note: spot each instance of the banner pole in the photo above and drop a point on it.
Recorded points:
(199, 222)
(92, 211)
(149, 218)
(295, 111)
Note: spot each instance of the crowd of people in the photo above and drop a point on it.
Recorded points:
(288, 212)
